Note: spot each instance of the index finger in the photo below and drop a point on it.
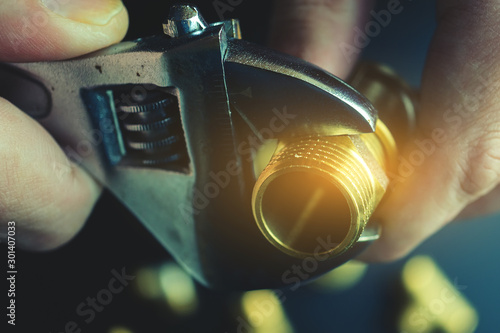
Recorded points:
(317, 31)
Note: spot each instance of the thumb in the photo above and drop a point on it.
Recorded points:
(36, 30)
(49, 197)
(315, 30)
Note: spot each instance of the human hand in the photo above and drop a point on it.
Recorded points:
(455, 153)
(48, 196)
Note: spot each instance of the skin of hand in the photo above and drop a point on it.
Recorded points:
(455, 154)
(47, 195)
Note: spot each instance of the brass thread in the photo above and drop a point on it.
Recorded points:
(324, 188)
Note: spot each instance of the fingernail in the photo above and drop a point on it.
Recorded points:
(96, 12)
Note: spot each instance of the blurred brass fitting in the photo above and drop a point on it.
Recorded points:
(319, 187)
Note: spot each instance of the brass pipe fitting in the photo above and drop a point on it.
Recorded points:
(319, 187)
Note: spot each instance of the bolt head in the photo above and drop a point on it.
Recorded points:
(183, 20)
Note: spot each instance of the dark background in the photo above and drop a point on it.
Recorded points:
(51, 285)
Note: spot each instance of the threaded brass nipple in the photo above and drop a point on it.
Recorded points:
(321, 187)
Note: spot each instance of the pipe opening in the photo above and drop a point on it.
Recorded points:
(300, 207)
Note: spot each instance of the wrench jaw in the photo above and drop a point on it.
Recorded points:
(260, 80)
(270, 96)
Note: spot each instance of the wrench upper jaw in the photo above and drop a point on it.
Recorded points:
(264, 84)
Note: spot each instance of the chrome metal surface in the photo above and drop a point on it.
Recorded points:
(229, 94)
(183, 20)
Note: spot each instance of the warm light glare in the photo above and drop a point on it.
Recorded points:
(263, 156)
(342, 278)
(120, 329)
(264, 312)
(178, 289)
(436, 304)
